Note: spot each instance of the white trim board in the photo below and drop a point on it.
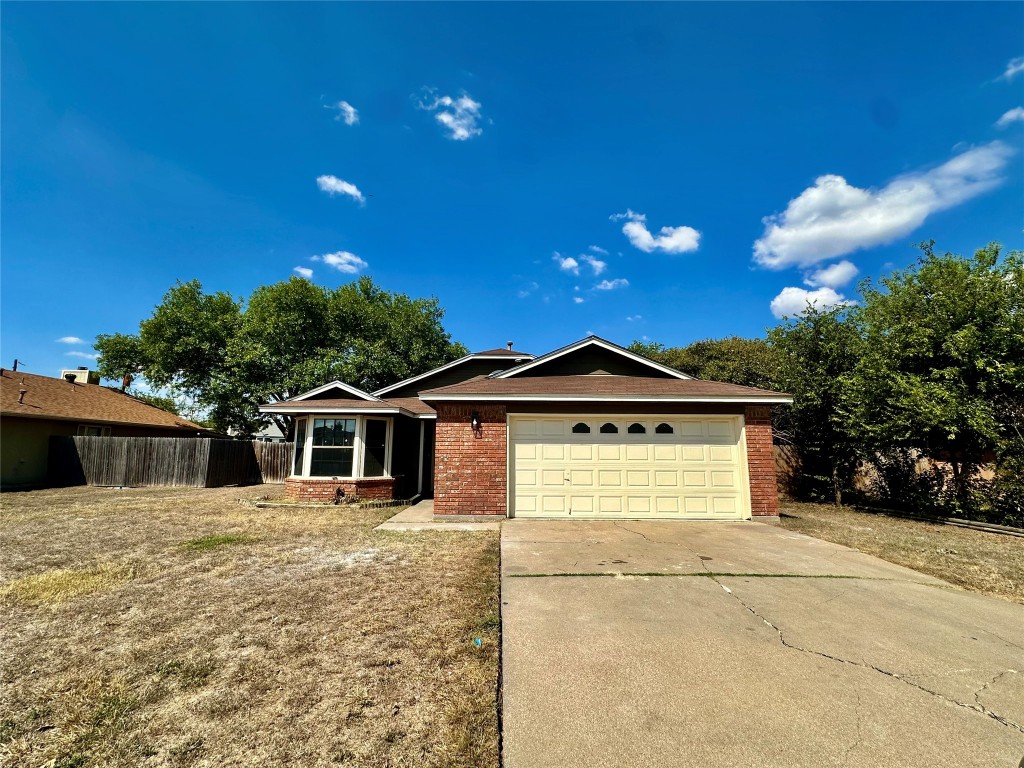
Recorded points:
(446, 366)
(590, 341)
(610, 399)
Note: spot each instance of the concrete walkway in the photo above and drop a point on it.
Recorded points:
(420, 517)
(743, 644)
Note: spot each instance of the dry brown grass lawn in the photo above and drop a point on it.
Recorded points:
(982, 562)
(177, 627)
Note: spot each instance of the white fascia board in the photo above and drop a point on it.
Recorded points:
(611, 398)
(592, 340)
(445, 367)
(334, 385)
(334, 409)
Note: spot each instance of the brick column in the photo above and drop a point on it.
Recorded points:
(764, 495)
(470, 468)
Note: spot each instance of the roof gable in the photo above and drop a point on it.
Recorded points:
(455, 372)
(334, 391)
(592, 356)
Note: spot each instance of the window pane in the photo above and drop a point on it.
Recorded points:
(331, 462)
(664, 429)
(345, 432)
(637, 429)
(609, 429)
(581, 428)
(300, 446)
(320, 431)
(375, 440)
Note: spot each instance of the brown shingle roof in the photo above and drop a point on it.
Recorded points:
(602, 386)
(50, 398)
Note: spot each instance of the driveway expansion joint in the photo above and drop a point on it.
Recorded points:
(976, 707)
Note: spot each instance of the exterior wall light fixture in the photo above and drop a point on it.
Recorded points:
(474, 421)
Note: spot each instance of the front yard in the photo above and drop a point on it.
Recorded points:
(176, 627)
(981, 562)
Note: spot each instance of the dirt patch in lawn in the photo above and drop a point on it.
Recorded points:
(177, 627)
(981, 562)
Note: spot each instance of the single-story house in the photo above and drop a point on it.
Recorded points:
(34, 408)
(591, 430)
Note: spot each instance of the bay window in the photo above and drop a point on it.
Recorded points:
(342, 447)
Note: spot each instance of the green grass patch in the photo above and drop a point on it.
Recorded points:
(215, 540)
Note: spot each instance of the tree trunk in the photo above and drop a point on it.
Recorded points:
(837, 486)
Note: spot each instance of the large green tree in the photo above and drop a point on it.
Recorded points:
(817, 351)
(230, 356)
(942, 367)
(750, 362)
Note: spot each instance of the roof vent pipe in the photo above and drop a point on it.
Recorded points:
(509, 345)
(21, 396)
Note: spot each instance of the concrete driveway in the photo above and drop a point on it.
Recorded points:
(743, 644)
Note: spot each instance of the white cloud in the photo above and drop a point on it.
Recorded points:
(346, 112)
(1015, 115)
(332, 185)
(459, 115)
(577, 300)
(566, 263)
(611, 285)
(343, 261)
(70, 340)
(597, 249)
(668, 239)
(634, 318)
(595, 264)
(306, 272)
(832, 276)
(833, 218)
(83, 355)
(1013, 68)
(793, 301)
(527, 289)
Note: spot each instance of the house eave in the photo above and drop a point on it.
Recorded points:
(772, 400)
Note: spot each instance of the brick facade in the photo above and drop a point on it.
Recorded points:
(764, 496)
(325, 491)
(470, 467)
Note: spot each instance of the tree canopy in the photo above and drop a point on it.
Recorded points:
(229, 355)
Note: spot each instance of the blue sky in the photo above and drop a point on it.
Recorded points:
(663, 171)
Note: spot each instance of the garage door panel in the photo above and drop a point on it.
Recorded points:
(666, 453)
(695, 478)
(552, 478)
(581, 452)
(694, 471)
(693, 452)
(638, 452)
(638, 478)
(722, 453)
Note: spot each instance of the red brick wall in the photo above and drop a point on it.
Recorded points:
(326, 491)
(764, 495)
(470, 468)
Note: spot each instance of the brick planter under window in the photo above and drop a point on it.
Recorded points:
(325, 490)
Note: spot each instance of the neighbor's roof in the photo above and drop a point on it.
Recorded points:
(602, 387)
(50, 398)
(501, 351)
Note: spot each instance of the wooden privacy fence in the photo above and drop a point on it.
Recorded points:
(175, 461)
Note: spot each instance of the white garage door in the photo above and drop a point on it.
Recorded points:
(628, 467)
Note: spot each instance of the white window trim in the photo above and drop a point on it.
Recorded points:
(358, 447)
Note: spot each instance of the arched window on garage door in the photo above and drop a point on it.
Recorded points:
(664, 429)
(581, 428)
(609, 429)
(636, 428)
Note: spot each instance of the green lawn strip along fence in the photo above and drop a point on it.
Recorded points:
(168, 461)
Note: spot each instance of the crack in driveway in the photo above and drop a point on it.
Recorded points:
(976, 707)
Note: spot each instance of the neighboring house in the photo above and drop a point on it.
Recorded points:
(34, 408)
(589, 430)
